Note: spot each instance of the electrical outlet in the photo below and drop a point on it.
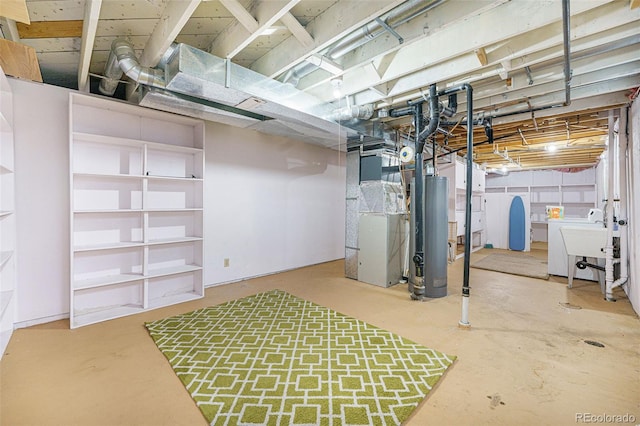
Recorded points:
(226, 262)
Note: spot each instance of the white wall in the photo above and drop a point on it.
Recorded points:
(41, 123)
(271, 203)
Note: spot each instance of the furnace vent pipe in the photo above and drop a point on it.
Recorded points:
(122, 59)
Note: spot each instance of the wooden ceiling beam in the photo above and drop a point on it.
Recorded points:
(89, 28)
(50, 29)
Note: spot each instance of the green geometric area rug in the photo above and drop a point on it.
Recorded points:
(275, 359)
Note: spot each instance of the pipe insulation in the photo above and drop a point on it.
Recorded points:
(122, 59)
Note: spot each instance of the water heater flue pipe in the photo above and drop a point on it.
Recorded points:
(434, 117)
(421, 135)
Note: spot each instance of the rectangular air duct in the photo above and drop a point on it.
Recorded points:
(215, 89)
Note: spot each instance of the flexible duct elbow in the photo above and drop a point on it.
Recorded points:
(361, 112)
(122, 59)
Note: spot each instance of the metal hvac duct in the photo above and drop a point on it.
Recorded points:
(122, 59)
(199, 84)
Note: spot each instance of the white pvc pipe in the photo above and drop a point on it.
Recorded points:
(464, 321)
(622, 215)
(608, 251)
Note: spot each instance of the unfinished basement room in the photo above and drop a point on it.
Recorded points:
(319, 212)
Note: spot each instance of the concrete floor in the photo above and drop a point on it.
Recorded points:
(523, 362)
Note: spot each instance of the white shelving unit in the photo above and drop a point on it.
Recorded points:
(575, 191)
(457, 174)
(137, 178)
(7, 216)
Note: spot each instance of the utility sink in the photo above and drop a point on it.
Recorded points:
(583, 241)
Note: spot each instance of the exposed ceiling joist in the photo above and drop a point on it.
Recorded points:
(90, 26)
(240, 13)
(596, 35)
(418, 55)
(598, 101)
(9, 29)
(298, 31)
(236, 37)
(174, 17)
(337, 21)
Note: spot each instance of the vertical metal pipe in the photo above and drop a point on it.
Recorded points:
(418, 194)
(464, 321)
(622, 213)
(434, 157)
(608, 250)
(566, 29)
(418, 202)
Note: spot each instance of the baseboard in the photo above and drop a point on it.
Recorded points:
(269, 273)
(43, 320)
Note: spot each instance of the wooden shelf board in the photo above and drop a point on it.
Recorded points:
(5, 256)
(173, 299)
(188, 209)
(108, 246)
(109, 211)
(94, 316)
(163, 272)
(175, 178)
(108, 280)
(5, 299)
(106, 175)
(173, 240)
(5, 168)
(113, 140)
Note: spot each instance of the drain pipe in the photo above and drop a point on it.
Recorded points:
(464, 321)
(622, 216)
(122, 59)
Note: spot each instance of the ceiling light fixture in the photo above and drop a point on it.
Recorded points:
(337, 86)
(325, 63)
(269, 30)
(551, 148)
